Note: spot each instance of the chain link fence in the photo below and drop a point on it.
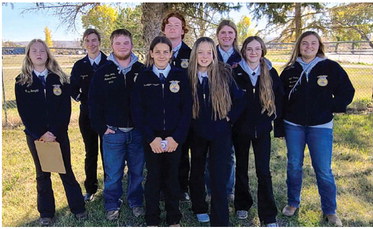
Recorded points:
(355, 57)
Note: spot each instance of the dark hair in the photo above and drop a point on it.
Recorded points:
(157, 40)
(90, 31)
(180, 17)
(120, 32)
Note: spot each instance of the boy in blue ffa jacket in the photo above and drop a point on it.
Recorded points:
(110, 114)
(162, 111)
(264, 98)
(44, 105)
(174, 28)
(81, 76)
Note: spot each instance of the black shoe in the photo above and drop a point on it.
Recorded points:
(82, 216)
(184, 197)
(88, 197)
(45, 221)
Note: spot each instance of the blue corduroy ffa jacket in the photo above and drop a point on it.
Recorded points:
(44, 109)
(109, 96)
(162, 108)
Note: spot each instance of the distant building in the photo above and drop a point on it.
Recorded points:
(14, 50)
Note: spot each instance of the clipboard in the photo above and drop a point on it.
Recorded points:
(50, 157)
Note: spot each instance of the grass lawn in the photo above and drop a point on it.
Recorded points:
(352, 166)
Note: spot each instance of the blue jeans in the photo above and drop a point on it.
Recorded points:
(119, 148)
(231, 171)
(320, 145)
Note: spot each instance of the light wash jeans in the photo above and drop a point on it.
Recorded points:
(320, 144)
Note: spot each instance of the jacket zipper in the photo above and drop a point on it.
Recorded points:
(164, 108)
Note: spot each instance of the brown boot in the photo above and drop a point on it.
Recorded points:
(334, 220)
(289, 210)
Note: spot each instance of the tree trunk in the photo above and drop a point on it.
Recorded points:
(298, 20)
(152, 15)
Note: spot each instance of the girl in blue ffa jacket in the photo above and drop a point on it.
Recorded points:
(43, 87)
(162, 111)
(315, 88)
(264, 96)
(216, 105)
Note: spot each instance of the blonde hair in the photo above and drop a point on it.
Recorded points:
(296, 50)
(266, 94)
(51, 65)
(234, 27)
(220, 78)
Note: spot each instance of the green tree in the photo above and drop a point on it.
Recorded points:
(244, 30)
(130, 19)
(48, 37)
(353, 21)
(289, 20)
(103, 18)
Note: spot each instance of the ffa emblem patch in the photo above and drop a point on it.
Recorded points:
(174, 86)
(184, 63)
(57, 89)
(322, 81)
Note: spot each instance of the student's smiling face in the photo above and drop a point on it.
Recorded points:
(92, 44)
(204, 56)
(309, 47)
(161, 55)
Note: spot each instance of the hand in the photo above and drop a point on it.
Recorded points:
(109, 131)
(171, 145)
(156, 145)
(227, 118)
(48, 137)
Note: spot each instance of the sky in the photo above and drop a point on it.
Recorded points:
(27, 26)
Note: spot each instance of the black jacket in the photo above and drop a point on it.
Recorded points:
(109, 96)
(328, 90)
(81, 76)
(253, 122)
(43, 110)
(182, 59)
(233, 60)
(208, 128)
(158, 109)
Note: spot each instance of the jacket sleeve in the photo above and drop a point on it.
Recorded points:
(182, 129)
(279, 93)
(238, 102)
(343, 91)
(75, 81)
(138, 110)
(23, 108)
(96, 103)
(61, 119)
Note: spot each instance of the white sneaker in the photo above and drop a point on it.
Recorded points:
(242, 214)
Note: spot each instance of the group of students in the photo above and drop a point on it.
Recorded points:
(213, 101)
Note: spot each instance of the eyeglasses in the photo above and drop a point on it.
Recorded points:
(254, 50)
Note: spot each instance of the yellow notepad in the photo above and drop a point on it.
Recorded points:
(50, 157)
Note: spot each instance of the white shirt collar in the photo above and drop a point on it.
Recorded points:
(96, 60)
(164, 71)
(43, 73)
(201, 75)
